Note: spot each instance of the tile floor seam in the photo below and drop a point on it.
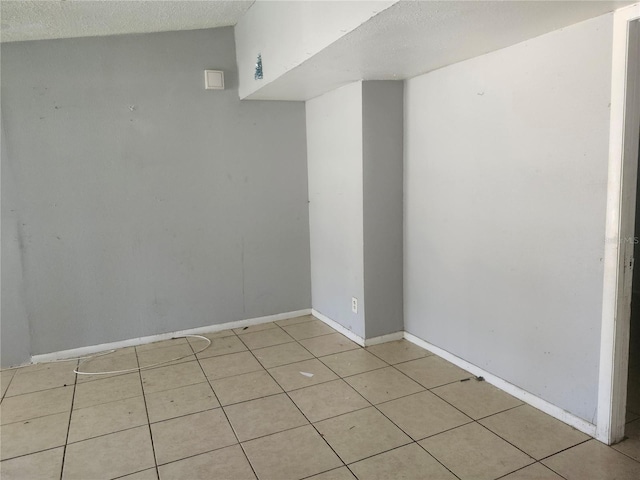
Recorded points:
(208, 380)
(413, 359)
(132, 473)
(416, 441)
(306, 386)
(324, 471)
(398, 447)
(513, 445)
(435, 386)
(288, 429)
(550, 468)
(146, 409)
(105, 434)
(100, 377)
(37, 391)
(31, 453)
(466, 414)
(166, 364)
(106, 403)
(7, 389)
(225, 416)
(620, 451)
(360, 373)
(508, 441)
(302, 413)
(172, 388)
(197, 455)
(184, 415)
(386, 401)
(568, 448)
(229, 376)
(322, 335)
(380, 453)
(528, 466)
(66, 440)
(398, 363)
(443, 431)
(501, 411)
(266, 346)
(32, 418)
(426, 389)
(289, 363)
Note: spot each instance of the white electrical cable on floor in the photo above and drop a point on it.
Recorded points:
(137, 369)
(73, 359)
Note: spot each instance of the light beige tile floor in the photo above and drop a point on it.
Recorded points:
(291, 399)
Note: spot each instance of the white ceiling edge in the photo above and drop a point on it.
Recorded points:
(415, 37)
(44, 20)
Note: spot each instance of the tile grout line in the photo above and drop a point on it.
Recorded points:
(302, 413)
(4, 394)
(66, 440)
(34, 418)
(405, 445)
(527, 466)
(390, 420)
(105, 434)
(76, 377)
(473, 420)
(383, 414)
(326, 471)
(481, 418)
(223, 410)
(146, 409)
(496, 434)
(623, 453)
(32, 453)
(366, 400)
(561, 476)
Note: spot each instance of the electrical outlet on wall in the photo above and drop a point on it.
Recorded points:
(354, 304)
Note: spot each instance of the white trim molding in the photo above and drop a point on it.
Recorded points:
(527, 397)
(363, 342)
(336, 326)
(390, 337)
(84, 351)
(619, 228)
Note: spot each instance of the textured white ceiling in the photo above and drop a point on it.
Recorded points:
(38, 20)
(415, 37)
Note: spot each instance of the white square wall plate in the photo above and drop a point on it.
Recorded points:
(214, 80)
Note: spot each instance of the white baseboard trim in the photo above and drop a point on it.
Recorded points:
(336, 326)
(389, 337)
(90, 350)
(363, 342)
(536, 402)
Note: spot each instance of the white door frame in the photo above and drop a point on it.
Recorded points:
(620, 219)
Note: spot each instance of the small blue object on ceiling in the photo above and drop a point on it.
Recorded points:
(258, 74)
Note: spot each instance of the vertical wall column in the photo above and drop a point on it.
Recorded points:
(354, 150)
(382, 144)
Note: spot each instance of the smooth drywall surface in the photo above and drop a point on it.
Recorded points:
(382, 136)
(149, 204)
(15, 348)
(334, 154)
(505, 196)
(288, 33)
(415, 37)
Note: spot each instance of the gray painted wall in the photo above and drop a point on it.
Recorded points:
(334, 153)
(16, 344)
(382, 139)
(148, 204)
(505, 195)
